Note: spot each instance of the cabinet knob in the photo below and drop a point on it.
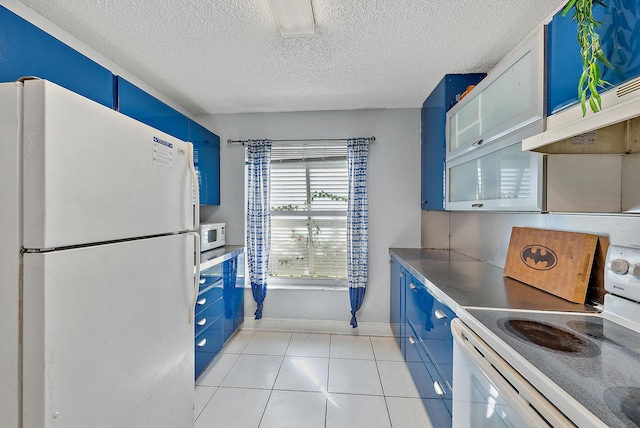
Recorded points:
(201, 343)
(439, 314)
(202, 301)
(202, 322)
(412, 340)
(636, 271)
(412, 286)
(401, 274)
(438, 388)
(620, 266)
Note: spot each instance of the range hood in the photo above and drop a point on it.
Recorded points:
(618, 104)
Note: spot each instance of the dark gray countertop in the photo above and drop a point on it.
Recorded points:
(462, 281)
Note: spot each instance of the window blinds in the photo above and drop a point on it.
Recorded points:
(309, 187)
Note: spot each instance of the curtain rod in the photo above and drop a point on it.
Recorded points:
(243, 142)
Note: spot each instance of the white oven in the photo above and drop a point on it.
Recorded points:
(488, 392)
(516, 368)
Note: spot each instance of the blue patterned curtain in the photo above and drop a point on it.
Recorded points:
(357, 223)
(258, 218)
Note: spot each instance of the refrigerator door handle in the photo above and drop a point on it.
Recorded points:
(196, 276)
(195, 190)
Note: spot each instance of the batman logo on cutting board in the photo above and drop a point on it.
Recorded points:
(538, 257)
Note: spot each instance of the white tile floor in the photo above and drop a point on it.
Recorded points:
(276, 379)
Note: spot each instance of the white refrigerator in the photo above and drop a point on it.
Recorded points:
(97, 263)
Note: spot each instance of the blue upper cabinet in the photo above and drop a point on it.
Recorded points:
(433, 117)
(26, 50)
(620, 41)
(206, 157)
(138, 104)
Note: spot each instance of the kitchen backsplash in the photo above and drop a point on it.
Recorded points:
(485, 236)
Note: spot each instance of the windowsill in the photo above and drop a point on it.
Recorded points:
(307, 284)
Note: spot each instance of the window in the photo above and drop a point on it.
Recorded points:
(309, 186)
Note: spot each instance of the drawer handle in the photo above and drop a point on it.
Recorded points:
(401, 274)
(202, 301)
(477, 205)
(202, 343)
(438, 388)
(412, 286)
(202, 280)
(412, 340)
(439, 314)
(478, 143)
(202, 322)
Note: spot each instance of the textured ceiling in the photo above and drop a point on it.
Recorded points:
(227, 56)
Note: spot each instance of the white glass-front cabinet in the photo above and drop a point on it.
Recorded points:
(509, 102)
(497, 178)
(486, 167)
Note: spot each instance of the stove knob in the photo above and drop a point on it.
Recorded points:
(620, 266)
(636, 271)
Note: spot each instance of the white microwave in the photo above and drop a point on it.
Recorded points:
(211, 235)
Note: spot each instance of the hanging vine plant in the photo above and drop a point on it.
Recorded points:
(591, 52)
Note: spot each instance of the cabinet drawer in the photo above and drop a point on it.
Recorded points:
(208, 316)
(202, 360)
(434, 385)
(210, 340)
(207, 298)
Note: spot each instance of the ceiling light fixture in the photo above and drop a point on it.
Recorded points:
(294, 17)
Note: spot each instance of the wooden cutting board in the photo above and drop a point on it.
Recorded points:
(555, 261)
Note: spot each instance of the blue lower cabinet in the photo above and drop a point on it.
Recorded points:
(238, 308)
(397, 299)
(219, 310)
(207, 345)
(439, 413)
(429, 349)
(206, 158)
(26, 50)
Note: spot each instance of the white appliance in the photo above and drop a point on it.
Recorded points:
(536, 368)
(212, 235)
(97, 265)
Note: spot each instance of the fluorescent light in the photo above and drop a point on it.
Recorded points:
(294, 17)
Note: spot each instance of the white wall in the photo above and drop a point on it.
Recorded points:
(486, 235)
(394, 195)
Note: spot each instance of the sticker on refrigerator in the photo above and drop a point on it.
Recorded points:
(162, 152)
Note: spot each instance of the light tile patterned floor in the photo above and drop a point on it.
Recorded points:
(276, 379)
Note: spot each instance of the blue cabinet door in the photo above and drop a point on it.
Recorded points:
(138, 104)
(26, 50)
(239, 292)
(433, 119)
(620, 42)
(206, 157)
(397, 299)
